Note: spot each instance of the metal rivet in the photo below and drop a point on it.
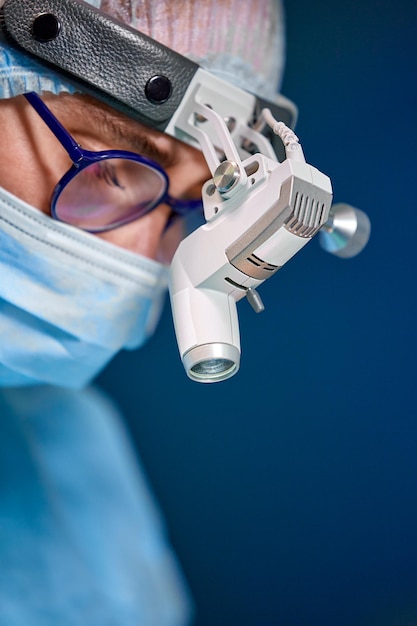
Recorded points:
(45, 27)
(158, 89)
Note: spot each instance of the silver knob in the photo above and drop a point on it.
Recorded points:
(226, 176)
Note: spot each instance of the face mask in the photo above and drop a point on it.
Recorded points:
(68, 300)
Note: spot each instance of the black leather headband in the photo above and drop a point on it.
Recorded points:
(111, 57)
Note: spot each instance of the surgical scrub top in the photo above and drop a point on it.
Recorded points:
(81, 540)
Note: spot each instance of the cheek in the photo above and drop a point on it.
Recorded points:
(188, 176)
(170, 240)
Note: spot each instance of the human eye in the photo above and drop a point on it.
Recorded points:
(107, 172)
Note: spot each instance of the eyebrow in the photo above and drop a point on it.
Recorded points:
(136, 137)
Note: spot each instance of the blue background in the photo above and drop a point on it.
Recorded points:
(291, 490)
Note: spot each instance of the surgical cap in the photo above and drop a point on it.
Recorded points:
(240, 42)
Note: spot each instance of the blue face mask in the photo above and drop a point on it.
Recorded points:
(68, 300)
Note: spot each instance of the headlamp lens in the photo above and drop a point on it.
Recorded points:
(212, 367)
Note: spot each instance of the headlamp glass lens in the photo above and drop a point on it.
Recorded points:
(211, 368)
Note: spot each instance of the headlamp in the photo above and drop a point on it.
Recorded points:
(263, 202)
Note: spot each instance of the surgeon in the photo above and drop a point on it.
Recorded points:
(81, 539)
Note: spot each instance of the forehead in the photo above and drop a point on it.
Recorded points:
(86, 115)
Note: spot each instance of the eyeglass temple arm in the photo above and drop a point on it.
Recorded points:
(71, 146)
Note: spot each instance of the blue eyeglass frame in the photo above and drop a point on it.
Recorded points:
(83, 158)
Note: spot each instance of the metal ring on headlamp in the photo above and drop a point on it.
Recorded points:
(212, 362)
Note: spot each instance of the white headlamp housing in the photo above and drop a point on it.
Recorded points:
(259, 213)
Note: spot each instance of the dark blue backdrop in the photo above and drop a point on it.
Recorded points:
(291, 491)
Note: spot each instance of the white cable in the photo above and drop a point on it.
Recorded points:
(293, 149)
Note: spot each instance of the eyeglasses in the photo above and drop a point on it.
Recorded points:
(104, 190)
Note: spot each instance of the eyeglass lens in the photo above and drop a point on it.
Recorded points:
(108, 193)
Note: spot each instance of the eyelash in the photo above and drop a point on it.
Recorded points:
(107, 172)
